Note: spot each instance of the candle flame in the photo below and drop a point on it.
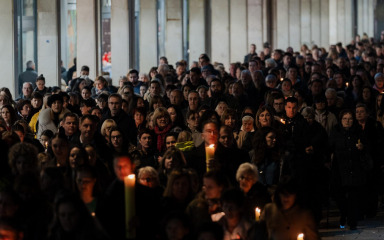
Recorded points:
(281, 79)
(46, 144)
(131, 176)
(258, 210)
(347, 84)
(211, 146)
(282, 121)
(300, 236)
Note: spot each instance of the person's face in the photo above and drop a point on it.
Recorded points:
(339, 79)
(85, 182)
(84, 109)
(278, 105)
(194, 77)
(221, 108)
(85, 93)
(143, 90)
(175, 230)
(316, 88)
(237, 90)
(99, 84)
(40, 84)
(114, 105)
(172, 114)
(27, 90)
(170, 141)
(271, 82)
(59, 147)
(379, 97)
(36, 103)
(97, 113)
(366, 94)
(320, 105)
(226, 139)
(154, 89)
(329, 72)
(287, 60)
(248, 126)
(2, 101)
(122, 81)
(246, 181)
(87, 129)
(270, 139)
(211, 189)
(75, 157)
(361, 114)
(230, 121)
(180, 70)
(116, 139)
(176, 98)
(139, 118)
(252, 66)
(145, 140)
(148, 180)
(68, 217)
(245, 79)
(57, 106)
(133, 78)
(193, 121)
(186, 92)
(291, 109)
(26, 110)
(379, 81)
(162, 121)
(70, 126)
(265, 119)
(216, 87)
(286, 86)
(193, 101)
(180, 188)
(232, 211)
(22, 164)
(292, 73)
(331, 100)
(84, 73)
(210, 134)
(122, 168)
(347, 120)
(287, 200)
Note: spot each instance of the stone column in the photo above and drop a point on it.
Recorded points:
(7, 46)
(197, 29)
(120, 38)
(282, 19)
(148, 35)
(239, 45)
(48, 41)
(220, 44)
(255, 24)
(174, 31)
(294, 25)
(88, 37)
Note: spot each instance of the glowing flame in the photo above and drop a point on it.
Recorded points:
(300, 236)
(282, 121)
(212, 146)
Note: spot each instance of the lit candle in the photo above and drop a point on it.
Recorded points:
(300, 236)
(281, 79)
(257, 214)
(129, 189)
(46, 146)
(282, 121)
(346, 84)
(209, 155)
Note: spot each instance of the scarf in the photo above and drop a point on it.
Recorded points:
(161, 135)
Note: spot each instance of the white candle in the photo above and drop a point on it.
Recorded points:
(209, 155)
(129, 190)
(257, 214)
(300, 236)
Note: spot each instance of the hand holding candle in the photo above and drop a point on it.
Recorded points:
(257, 214)
(129, 190)
(209, 155)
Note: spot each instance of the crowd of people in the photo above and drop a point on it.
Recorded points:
(289, 131)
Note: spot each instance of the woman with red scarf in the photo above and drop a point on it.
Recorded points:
(162, 125)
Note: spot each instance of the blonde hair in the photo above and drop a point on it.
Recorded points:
(247, 168)
(103, 129)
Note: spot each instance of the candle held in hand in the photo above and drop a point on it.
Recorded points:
(129, 190)
(209, 155)
(257, 214)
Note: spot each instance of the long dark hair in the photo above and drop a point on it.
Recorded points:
(260, 147)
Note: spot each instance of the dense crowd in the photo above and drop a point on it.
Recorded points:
(252, 153)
